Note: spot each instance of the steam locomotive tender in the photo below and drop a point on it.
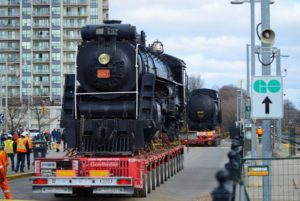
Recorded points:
(204, 110)
(127, 92)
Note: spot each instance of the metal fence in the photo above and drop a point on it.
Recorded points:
(276, 179)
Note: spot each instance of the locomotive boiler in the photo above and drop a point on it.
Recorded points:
(126, 92)
(204, 110)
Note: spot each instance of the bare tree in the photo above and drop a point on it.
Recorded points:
(290, 114)
(195, 82)
(16, 112)
(228, 96)
(40, 111)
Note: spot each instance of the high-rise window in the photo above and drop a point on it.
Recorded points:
(26, 45)
(56, 33)
(56, 68)
(56, 44)
(56, 10)
(56, 56)
(56, 21)
(56, 79)
(26, 57)
(27, 33)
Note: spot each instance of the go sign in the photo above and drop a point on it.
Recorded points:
(267, 97)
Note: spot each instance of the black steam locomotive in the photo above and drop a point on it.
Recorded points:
(127, 93)
(204, 110)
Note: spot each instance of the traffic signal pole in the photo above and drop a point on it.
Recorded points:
(266, 124)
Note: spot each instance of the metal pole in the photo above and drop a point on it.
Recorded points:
(266, 70)
(6, 95)
(252, 28)
(279, 130)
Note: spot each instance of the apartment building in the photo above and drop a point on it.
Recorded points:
(38, 44)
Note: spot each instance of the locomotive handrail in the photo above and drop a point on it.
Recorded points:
(136, 81)
(103, 93)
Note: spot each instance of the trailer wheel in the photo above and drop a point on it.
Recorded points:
(175, 164)
(149, 182)
(172, 167)
(142, 192)
(181, 161)
(166, 170)
(158, 175)
(153, 173)
(162, 173)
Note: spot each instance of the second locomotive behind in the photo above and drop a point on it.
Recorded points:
(127, 92)
(204, 114)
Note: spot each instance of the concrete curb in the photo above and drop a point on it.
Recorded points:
(19, 175)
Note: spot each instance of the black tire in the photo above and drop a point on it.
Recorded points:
(162, 173)
(171, 167)
(154, 181)
(149, 182)
(158, 175)
(166, 170)
(142, 192)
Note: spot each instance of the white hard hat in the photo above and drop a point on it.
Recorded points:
(9, 135)
(24, 134)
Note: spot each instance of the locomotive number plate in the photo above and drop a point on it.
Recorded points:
(103, 73)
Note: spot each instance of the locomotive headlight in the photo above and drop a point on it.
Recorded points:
(104, 58)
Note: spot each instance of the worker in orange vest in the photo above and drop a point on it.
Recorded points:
(22, 147)
(10, 148)
(29, 149)
(259, 133)
(3, 174)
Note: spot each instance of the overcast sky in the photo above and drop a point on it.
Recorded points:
(211, 36)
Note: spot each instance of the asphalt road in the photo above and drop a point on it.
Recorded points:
(197, 178)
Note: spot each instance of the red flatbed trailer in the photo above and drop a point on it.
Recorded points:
(128, 175)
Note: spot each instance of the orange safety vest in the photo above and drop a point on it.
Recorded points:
(21, 145)
(259, 131)
(8, 146)
(29, 142)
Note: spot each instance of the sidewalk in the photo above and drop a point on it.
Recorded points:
(13, 175)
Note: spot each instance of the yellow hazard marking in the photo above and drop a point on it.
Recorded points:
(99, 173)
(65, 173)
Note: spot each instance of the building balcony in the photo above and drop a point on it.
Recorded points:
(40, 49)
(10, 60)
(9, 37)
(41, 37)
(72, 37)
(41, 84)
(41, 2)
(13, 72)
(10, 26)
(40, 25)
(39, 60)
(74, 25)
(70, 48)
(13, 83)
(9, 49)
(75, 2)
(75, 14)
(10, 15)
(69, 60)
(38, 71)
(10, 3)
(41, 14)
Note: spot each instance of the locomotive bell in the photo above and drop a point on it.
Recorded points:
(267, 36)
(157, 47)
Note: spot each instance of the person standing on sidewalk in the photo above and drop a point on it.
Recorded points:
(30, 145)
(10, 149)
(64, 138)
(3, 174)
(22, 147)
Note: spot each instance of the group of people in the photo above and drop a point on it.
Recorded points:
(54, 139)
(20, 145)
